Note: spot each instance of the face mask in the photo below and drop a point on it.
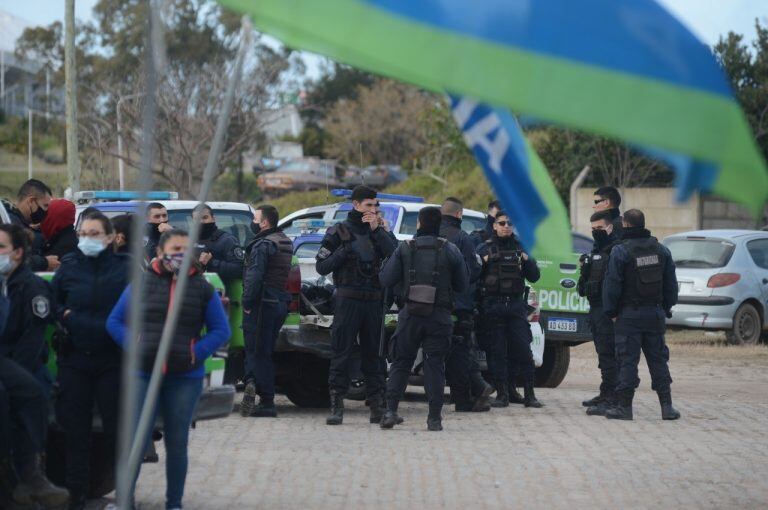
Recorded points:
(38, 216)
(174, 261)
(6, 266)
(90, 247)
(207, 230)
(255, 228)
(600, 236)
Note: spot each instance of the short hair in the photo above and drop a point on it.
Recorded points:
(361, 193)
(634, 218)
(601, 215)
(494, 204)
(269, 212)
(121, 224)
(430, 218)
(452, 205)
(199, 208)
(168, 234)
(20, 238)
(154, 205)
(101, 218)
(501, 213)
(610, 193)
(33, 187)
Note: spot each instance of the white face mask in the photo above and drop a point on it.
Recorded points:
(6, 265)
(90, 247)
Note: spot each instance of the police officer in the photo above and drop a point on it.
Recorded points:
(590, 285)
(608, 199)
(265, 306)
(506, 267)
(220, 251)
(430, 270)
(482, 235)
(28, 212)
(461, 368)
(157, 223)
(640, 288)
(23, 400)
(353, 251)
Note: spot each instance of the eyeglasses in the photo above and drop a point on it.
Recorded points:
(503, 223)
(601, 200)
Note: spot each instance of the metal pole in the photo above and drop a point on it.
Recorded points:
(29, 143)
(575, 185)
(169, 329)
(47, 93)
(70, 73)
(120, 162)
(2, 76)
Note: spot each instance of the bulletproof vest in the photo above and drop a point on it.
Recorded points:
(279, 264)
(504, 272)
(158, 292)
(644, 273)
(362, 268)
(425, 265)
(598, 265)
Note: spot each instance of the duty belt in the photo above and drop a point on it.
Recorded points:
(362, 295)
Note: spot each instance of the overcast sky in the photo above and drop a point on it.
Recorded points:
(707, 18)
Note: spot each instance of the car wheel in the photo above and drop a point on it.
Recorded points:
(557, 357)
(747, 326)
(309, 385)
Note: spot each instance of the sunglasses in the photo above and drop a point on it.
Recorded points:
(601, 200)
(503, 223)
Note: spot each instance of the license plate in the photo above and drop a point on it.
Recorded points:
(566, 325)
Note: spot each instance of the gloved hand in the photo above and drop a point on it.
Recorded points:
(668, 313)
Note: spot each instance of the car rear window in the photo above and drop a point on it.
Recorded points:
(307, 250)
(699, 252)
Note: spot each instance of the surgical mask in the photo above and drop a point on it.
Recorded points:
(600, 236)
(38, 216)
(174, 261)
(6, 265)
(255, 228)
(90, 247)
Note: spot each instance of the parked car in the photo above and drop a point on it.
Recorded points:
(375, 176)
(302, 174)
(722, 278)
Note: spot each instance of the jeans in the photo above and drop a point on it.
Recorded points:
(176, 403)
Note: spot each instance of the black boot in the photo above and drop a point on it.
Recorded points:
(435, 420)
(337, 409)
(502, 395)
(77, 499)
(376, 406)
(482, 402)
(667, 411)
(602, 406)
(265, 409)
(248, 404)
(623, 408)
(391, 418)
(514, 396)
(36, 486)
(8, 482)
(599, 399)
(530, 397)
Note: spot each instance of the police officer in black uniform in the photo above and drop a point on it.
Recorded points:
(593, 268)
(353, 251)
(640, 288)
(157, 223)
(265, 306)
(28, 212)
(482, 235)
(430, 270)
(608, 199)
(506, 267)
(220, 251)
(23, 399)
(469, 390)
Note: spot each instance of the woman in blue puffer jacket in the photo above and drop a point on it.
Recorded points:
(86, 287)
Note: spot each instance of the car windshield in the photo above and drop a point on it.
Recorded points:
(307, 250)
(237, 223)
(699, 253)
(468, 223)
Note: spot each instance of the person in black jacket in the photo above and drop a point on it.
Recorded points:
(23, 400)
(86, 288)
(608, 199)
(157, 224)
(28, 212)
(122, 225)
(58, 229)
(220, 251)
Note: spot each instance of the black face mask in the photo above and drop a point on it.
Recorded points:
(255, 228)
(600, 236)
(207, 230)
(153, 229)
(355, 216)
(37, 216)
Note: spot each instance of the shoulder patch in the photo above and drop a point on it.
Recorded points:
(41, 307)
(239, 253)
(324, 253)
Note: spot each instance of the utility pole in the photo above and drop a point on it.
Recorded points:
(73, 159)
(29, 144)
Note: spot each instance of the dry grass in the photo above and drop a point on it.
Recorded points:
(713, 346)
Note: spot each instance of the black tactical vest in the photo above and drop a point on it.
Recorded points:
(158, 292)
(426, 263)
(279, 264)
(644, 273)
(598, 265)
(362, 268)
(503, 275)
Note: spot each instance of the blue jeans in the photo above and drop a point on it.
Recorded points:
(176, 402)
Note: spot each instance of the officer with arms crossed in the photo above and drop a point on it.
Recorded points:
(430, 270)
(502, 289)
(220, 251)
(157, 223)
(593, 267)
(640, 288)
(265, 306)
(461, 368)
(353, 251)
(608, 199)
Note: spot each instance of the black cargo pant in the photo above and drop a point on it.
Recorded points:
(260, 331)
(433, 335)
(458, 363)
(353, 319)
(84, 380)
(642, 329)
(23, 413)
(605, 345)
(509, 353)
